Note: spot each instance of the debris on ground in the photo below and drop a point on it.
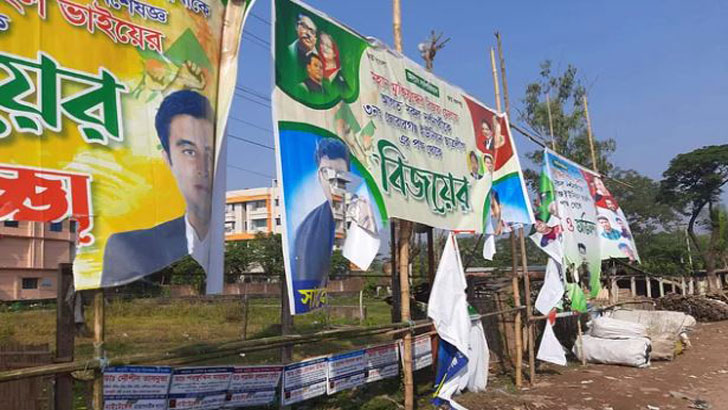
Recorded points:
(705, 308)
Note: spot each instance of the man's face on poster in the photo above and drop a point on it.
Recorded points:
(190, 158)
(306, 31)
(541, 227)
(328, 171)
(474, 166)
(315, 69)
(605, 224)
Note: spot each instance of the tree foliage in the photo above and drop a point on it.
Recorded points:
(639, 202)
(267, 251)
(567, 112)
(694, 181)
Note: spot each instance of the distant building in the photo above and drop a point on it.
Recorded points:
(253, 210)
(30, 253)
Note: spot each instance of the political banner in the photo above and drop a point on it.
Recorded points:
(253, 386)
(304, 380)
(364, 134)
(566, 224)
(136, 387)
(346, 371)
(382, 362)
(199, 388)
(615, 237)
(112, 116)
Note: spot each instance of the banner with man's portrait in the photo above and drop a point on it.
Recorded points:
(112, 115)
(365, 134)
(579, 223)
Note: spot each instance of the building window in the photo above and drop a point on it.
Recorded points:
(57, 227)
(278, 221)
(229, 226)
(276, 201)
(11, 224)
(30, 283)
(72, 226)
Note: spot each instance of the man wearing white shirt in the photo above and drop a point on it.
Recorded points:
(185, 127)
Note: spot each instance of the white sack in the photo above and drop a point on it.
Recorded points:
(658, 321)
(607, 328)
(627, 352)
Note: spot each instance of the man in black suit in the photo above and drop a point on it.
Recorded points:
(185, 127)
(315, 236)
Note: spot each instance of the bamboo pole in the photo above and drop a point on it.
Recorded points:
(529, 309)
(99, 333)
(521, 235)
(589, 134)
(514, 256)
(405, 231)
(551, 121)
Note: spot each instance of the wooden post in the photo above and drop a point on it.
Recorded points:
(633, 285)
(529, 310)
(691, 286)
(589, 134)
(405, 231)
(430, 256)
(551, 121)
(65, 334)
(615, 290)
(683, 286)
(396, 311)
(286, 320)
(514, 256)
(648, 286)
(581, 341)
(506, 99)
(99, 337)
(361, 306)
(246, 310)
(662, 286)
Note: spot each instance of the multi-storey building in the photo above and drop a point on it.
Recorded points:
(253, 210)
(30, 253)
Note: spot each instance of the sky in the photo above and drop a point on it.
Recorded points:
(656, 71)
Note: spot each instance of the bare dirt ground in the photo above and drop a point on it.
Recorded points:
(696, 379)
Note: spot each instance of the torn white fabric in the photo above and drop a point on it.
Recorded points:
(550, 349)
(552, 290)
(361, 246)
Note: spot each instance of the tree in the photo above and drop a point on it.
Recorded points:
(238, 257)
(638, 200)
(187, 271)
(266, 250)
(693, 181)
(340, 266)
(567, 114)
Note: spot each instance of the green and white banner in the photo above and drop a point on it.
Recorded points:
(364, 131)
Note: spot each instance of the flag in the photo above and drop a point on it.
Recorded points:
(448, 309)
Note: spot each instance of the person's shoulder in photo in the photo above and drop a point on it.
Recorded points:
(185, 127)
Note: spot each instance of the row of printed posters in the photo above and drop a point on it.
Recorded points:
(208, 388)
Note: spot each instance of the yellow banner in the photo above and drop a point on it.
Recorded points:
(110, 115)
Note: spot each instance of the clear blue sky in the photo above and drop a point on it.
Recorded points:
(657, 71)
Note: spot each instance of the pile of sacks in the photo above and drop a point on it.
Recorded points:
(634, 337)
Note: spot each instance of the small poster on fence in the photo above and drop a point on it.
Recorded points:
(346, 371)
(304, 380)
(199, 388)
(421, 351)
(253, 386)
(136, 387)
(381, 362)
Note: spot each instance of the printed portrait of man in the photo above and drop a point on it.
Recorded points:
(315, 235)
(306, 39)
(607, 231)
(185, 128)
(314, 75)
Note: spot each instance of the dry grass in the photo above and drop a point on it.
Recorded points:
(150, 325)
